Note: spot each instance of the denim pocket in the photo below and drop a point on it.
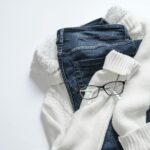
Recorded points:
(89, 59)
(84, 69)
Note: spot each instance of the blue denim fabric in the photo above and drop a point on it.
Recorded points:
(148, 116)
(82, 51)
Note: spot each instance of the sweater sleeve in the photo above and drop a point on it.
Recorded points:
(129, 117)
(137, 140)
(45, 67)
(88, 126)
(120, 16)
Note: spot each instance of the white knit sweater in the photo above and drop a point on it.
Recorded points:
(120, 16)
(57, 110)
(129, 118)
(87, 128)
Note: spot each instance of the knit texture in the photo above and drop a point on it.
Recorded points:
(117, 15)
(48, 66)
(57, 110)
(137, 140)
(66, 130)
(129, 117)
(120, 63)
(88, 125)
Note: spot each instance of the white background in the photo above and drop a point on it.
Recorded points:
(23, 25)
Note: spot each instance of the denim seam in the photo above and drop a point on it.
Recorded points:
(78, 77)
(77, 84)
(90, 28)
(93, 64)
(66, 82)
(62, 67)
(126, 35)
(61, 39)
(78, 74)
(74, 68)
(75, 50)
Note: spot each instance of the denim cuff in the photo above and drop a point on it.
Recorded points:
(120, 63)
(137, 140)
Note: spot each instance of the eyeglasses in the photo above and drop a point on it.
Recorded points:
(111, 88)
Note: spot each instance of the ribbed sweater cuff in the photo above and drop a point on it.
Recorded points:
(137, 140)
(120, 63)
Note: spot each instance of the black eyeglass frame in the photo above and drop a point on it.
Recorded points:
(103, 87)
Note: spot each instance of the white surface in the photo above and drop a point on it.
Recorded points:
(23, 25)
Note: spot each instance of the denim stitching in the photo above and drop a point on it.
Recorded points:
(78, 76)
(76, 49)
(62, 67)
